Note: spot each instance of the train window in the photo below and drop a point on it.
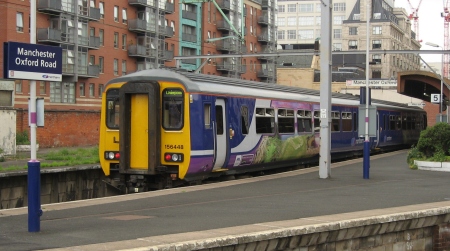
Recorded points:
(392, 122)
(286, 121)
(316, 121)
(244, 119)
(304, 121)
(404, 122)
(265, 120)
(399, 122)
(346, 121)
(355, 122)
(335, 119)
(219, 119)
(207, 115)
(112, 112)
(172, 109)
(386, 122)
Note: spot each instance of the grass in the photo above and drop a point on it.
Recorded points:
(62, 157)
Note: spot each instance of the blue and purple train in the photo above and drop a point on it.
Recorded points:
(163, 128)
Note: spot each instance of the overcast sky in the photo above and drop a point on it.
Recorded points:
(431, 24)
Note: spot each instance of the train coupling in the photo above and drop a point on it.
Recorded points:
(137, 184)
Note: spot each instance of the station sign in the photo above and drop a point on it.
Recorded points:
(32, 61)
(372, 83)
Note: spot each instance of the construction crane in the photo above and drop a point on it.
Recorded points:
(446, 16)
(415, 17)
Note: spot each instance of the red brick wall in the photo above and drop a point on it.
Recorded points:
(64, 128)
(432, 111)
(441, 237)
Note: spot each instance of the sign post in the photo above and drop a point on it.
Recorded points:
(33, 62)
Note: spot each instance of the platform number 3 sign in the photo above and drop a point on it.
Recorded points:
(435, 98)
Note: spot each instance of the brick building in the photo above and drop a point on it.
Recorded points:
(106, 39)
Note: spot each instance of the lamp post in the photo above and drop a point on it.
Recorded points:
(442, 79)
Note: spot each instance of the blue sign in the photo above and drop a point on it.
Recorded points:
(32, 61)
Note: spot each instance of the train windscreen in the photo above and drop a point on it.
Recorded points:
(112, 108)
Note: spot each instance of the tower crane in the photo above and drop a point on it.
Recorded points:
(415, 17)
(446, 16)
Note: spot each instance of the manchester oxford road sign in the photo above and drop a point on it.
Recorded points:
(32, 61)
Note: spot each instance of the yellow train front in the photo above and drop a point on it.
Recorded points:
(144, 133)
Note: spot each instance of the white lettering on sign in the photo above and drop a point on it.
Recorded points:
(35, 53)
(378, 83)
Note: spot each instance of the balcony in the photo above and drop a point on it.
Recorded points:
(257, 1)
(170, 8)
(169, 32)
(49, 6)
(141, 51)
(141, 3)
(91, 71)
(48, 35)
(263, 37)
(93, 14)
(68, 69)
(228, 66)
(225, 5)
(168, 55)
(189, 37)
(266, 4)
(223, 25)
(138, 25)
(228, 45)
(189, 61)
(263, 20)
(263, 73)
(189, 15)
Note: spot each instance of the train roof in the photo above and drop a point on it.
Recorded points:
(202, 83)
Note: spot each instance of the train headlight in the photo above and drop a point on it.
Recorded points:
(173, 157)
(110, 155)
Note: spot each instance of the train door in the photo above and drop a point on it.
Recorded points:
(220, 151)
(139, 128)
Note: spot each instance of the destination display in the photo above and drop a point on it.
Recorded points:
(32, 61)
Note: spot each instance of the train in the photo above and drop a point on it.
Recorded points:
(163, 128)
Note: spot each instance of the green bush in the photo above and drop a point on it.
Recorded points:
(435, 141)
(414, 154)
(22, 138)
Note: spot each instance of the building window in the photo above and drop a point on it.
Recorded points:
(281, 21)
(116, 40)
(356, 16)
(318, 21)
(292, 8)
(91, 60)
(116, 13)
(42, 89)
(309, 7)
(116, 67)
(91, 90)
(82, 90)
(100, 90)
(18, 86)
(305, 21)
(124, 41)
(352, 45)
(353, 30)
(339, 7)
(292, 34)
(292, 21)
(337, 33)
(376, 74)
(102, 9)
(124, 67)
(338, 19)
(101, 64)
(172, 24)
(101, 34)
(376, 30)
(281, 8)
(19, 21)
(376, 58)
(376, 44)
(337, 47)
(280, 35)
(124, 16)
(305, 34)
(62, 92)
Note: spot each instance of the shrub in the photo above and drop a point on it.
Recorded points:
(22, 138)
(414, 154)
(435, 140)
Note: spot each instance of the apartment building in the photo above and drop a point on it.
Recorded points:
(102, 40)
(299, 26)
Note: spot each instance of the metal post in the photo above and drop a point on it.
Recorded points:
(442, 88)
(366, 152)
(325, 91)
(34, 168)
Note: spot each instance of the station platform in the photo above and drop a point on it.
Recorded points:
(180, 218)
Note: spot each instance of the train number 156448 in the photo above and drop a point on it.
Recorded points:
(173, 146)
